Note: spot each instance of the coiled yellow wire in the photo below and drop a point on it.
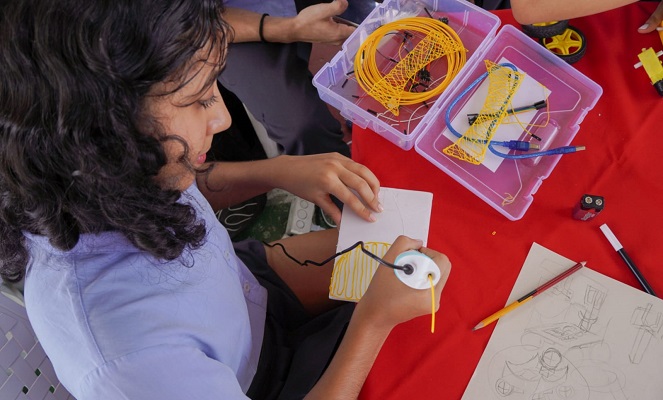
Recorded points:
(390, 88)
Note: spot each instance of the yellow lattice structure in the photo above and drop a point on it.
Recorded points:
(503, 82)
(353, 272)
(390, 89)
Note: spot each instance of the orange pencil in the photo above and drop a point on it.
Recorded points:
(529, 296)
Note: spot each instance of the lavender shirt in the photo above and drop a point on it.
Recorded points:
(118, 324)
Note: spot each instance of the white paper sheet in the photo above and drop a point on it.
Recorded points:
(590, 337)
(406, 212)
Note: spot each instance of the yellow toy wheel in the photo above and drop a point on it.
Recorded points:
(546, 29)
(569, 46)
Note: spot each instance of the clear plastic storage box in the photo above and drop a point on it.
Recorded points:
(335, 84)
(508, 185)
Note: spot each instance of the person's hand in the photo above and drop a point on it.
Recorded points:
(388, 301)
(314, 24)
(316, 177)
(653, 21)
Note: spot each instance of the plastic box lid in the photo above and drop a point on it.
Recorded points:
(505, 184)
(336, 86)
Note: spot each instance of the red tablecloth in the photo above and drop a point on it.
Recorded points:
(487, 250)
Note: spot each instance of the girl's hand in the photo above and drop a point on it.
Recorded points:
(316, 177)
(388, 301)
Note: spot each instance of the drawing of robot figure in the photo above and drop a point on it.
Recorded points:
(648, 326)
(563, 355)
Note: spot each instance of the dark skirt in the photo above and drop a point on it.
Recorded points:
(297, 347)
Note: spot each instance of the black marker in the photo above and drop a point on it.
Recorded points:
(620, 249)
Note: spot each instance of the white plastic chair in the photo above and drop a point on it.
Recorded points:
(29, 374)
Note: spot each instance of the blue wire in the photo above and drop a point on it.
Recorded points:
(447, 120)
(557, 150)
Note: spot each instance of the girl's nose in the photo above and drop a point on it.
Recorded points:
(219, 117)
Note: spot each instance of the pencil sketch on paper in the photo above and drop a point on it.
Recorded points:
(406, 212)
(588, 338)
(648, 327)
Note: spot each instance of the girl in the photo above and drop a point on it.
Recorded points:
(107, 110)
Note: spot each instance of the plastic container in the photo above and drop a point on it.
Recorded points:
(335, 84)
(510, 185)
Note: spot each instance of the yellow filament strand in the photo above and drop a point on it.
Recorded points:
(503, 82)
(432, 302)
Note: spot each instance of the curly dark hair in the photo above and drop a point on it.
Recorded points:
(78, 153)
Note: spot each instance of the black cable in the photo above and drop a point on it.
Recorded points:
(407, 268)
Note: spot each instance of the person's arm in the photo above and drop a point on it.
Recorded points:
(538, 11)
(353, 360)
(387, 303)
(312, 177)
(313, 24)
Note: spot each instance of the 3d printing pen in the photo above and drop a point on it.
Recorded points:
(422, 266)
